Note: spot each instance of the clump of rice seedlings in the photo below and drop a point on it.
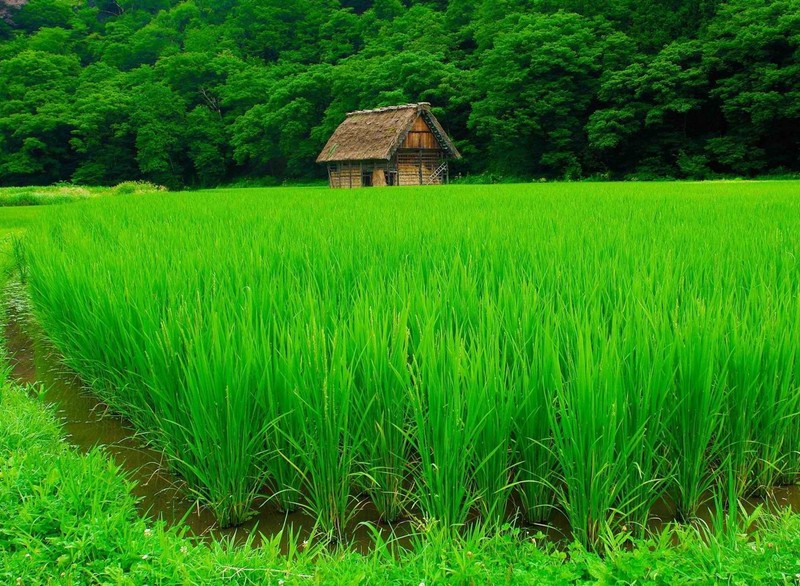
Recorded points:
(791, 472)
(20, 262)
(324, 446)
(772, 426)
(587, 423)
(729, 518)
(743, 405)
(534, 455)
(223, 429)
(382, 383)
(790, 354)
(776, 415)
(647, 377)
(695, 416)
(492, 402)
(445, 427)
(776, 426)
(283, 415)
(536, 380)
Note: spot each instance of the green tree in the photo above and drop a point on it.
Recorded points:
(537, 84)
(656, 115)
(158, 117)
(35, 14)
(102, 135)
(753, 52)
(188, 92)
(35, 105)
(276, 137)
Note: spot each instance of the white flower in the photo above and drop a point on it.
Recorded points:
(145, 556)
(148, 532)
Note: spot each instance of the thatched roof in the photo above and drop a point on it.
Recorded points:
(377, 134)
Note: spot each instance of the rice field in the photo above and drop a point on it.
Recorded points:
(450, 354)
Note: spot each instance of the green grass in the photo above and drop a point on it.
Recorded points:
(636, 339)
(14, 221)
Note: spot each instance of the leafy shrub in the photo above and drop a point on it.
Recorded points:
(136, 188)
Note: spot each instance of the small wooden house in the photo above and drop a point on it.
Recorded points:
(398, 145)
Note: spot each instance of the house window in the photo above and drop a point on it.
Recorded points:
(366, 179)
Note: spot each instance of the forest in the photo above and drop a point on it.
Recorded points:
(201, 93)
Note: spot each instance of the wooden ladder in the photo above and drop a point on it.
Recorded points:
(433, 176)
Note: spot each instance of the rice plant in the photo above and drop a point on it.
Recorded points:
(325, 449)
(647, 378)
(283, 416)
(492, 400)
(445, 428)
(695, 416)
(536, 380)
(591, 347)
(382, 408)
(588, 422)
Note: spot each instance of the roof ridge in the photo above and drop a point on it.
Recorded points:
(415, 105)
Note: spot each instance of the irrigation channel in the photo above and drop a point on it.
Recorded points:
(162, 495)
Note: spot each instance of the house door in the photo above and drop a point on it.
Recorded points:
(366, 179)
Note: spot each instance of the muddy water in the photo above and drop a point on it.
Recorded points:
(88, 424)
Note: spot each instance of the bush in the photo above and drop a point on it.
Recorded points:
(136, 188)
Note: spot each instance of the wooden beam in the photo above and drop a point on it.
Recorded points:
(435, 131)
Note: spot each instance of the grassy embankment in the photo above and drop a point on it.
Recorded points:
(72, 514)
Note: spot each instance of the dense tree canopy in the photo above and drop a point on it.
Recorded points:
(202, 92)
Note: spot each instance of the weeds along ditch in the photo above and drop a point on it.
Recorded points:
(460, 351)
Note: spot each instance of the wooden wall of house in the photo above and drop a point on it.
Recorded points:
(416, 167)
(349, 175)
(420, 136)
(413, 167)
(344, 175)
